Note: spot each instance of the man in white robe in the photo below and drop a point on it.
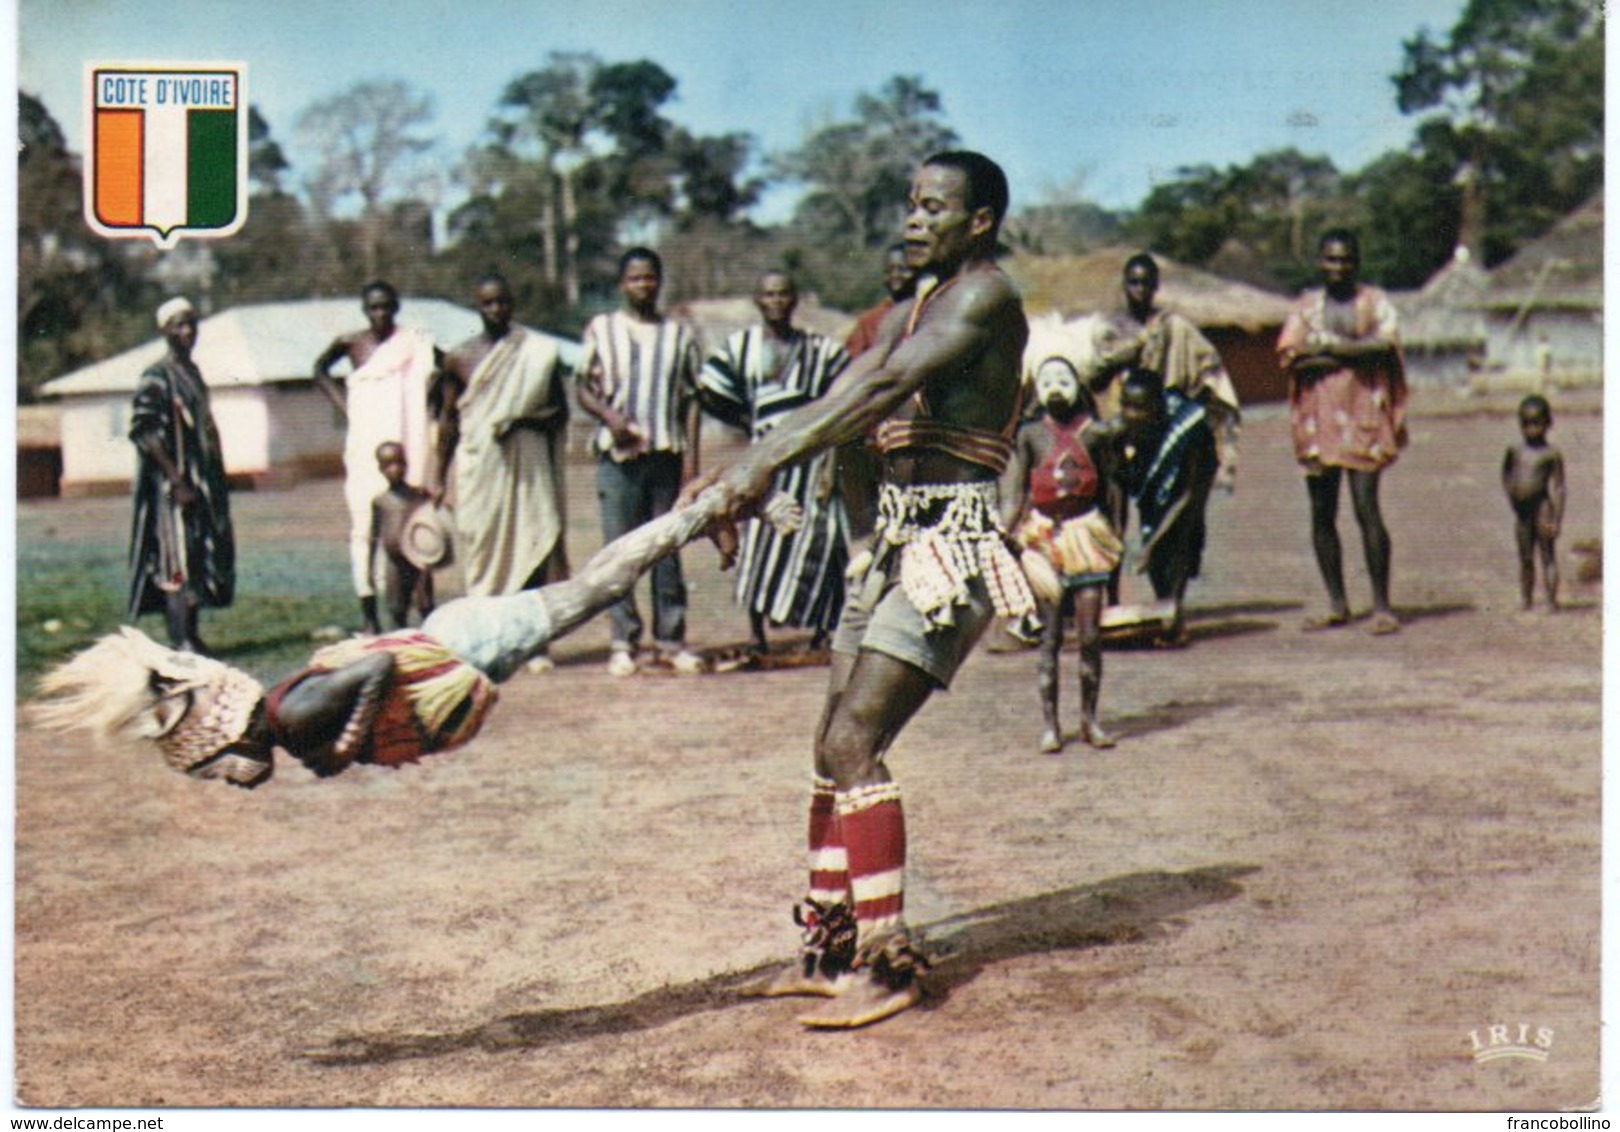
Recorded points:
(384, 400)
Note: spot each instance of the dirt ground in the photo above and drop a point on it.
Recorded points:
(1315, 873)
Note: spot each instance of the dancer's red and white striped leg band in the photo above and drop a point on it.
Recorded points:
(829, 864)
(874, 833)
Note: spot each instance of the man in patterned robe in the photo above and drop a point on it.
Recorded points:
(182, 551)
(763, 372)
(1341, 349)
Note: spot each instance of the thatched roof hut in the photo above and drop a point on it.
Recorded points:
(1241, 321)
(1544, 307)
(1082, 284)
(1442, 327)
(1562, 270)
(1444, 312)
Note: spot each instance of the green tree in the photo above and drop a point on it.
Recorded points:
(858, 172)
(1269, 209)
(1187, 217)
(266, 162)
(545, 117)
(580, 157)
(577, 145)
(71, 288)
(710, 249)
(1407, 209)
(1513, 103)
(710, 177)
(1061, 221)
(1287, 195)
(279, 253)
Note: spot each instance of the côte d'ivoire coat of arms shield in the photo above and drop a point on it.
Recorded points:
(168, 150)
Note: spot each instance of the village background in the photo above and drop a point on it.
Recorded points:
(586, 151)
(1487, 226)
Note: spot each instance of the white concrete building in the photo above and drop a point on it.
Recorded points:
(275, 425)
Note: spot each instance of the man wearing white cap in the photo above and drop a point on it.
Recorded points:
(182, 552)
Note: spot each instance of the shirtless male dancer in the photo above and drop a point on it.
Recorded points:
(941, 570)
(949, 361)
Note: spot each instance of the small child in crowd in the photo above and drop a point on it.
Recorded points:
(1533, 478)
(398, 578)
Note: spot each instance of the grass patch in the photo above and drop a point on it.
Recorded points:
(72, 585)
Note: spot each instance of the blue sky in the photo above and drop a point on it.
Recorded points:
(1109, 97)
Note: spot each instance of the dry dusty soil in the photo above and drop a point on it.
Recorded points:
(1320, 871)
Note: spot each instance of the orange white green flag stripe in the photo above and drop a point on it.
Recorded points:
(168, 151)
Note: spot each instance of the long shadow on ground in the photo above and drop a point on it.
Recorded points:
(1235, 608)
(1120, 910)
(1198, 631)
(1409, 613)
(1164, 717)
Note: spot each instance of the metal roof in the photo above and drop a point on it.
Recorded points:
(270, 343)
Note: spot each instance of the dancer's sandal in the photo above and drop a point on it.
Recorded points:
(885, 983)
(823, 968)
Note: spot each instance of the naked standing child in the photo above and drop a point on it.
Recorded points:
(1533, 478)
(402, 581)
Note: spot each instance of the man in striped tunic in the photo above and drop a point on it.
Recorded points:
(763, 372)
(638, 376)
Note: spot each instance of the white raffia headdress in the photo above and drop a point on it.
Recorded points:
(128, 686)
